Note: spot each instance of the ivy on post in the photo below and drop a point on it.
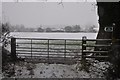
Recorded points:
(83, 61)
(13, 49)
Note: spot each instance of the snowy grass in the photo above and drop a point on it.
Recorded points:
(53, 35)
(45, 70)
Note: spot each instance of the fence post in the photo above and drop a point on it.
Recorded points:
(13, 49)
(83, 61)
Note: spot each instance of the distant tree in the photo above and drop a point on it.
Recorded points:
(68, 29)
(12, 28)
(31, 29)
(5, 28)
(40, 29)
(76, 28)
(91, 29)
(48, 30)
(20, 28)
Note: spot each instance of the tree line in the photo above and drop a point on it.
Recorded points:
(73, 28)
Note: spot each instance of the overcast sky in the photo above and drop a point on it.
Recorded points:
(32, 14)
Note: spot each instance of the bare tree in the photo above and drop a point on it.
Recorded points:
(48, 30)
(68, 29)
(76, 28)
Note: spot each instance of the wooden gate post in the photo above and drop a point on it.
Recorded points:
(65, 50)
(13, 49)
(83, 61)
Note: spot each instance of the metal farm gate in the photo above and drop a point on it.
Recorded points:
(59, 50)
(47, 50)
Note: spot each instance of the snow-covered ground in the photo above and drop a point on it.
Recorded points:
(44, 70)
(53, 35)
(53, 71)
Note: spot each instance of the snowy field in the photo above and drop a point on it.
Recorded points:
(53, 35)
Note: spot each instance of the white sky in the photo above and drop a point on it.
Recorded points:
(32, 14)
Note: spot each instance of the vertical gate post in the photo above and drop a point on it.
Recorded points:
(13, 49)
(83, 61)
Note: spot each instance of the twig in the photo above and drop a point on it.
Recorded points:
(61, 3)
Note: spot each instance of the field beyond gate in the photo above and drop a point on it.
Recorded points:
(56, 50)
